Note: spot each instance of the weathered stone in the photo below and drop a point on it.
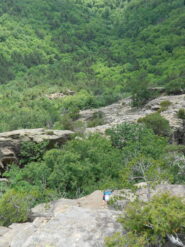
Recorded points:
(83, 222)
(3, 230)
(175, 190)
(10, 141)
(122, 112)
(60, 94)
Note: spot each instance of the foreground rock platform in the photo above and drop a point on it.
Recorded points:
(83, 222)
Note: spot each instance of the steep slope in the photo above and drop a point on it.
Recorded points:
(100, 49)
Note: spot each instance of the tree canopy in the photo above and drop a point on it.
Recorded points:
(103, 50)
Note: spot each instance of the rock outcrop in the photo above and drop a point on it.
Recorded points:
(120, 198)
(10, 141)
(59, 95)
(122, 111)
(83, 222)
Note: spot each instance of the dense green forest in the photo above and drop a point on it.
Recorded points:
(103, 50)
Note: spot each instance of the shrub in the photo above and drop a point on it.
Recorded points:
(164, 105)
(175, 148)
(176, 167)
(136, 139)
(157, 123)
(145, 169)
(79, 127)
(97, 119)
(181, 113)
(81, 167)
(176, 86)
(66, 123)
(31, 151)
(149, 223)
(15, 207)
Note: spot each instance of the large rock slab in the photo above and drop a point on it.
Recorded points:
(83, 222)
(10, 141)
(76, 227)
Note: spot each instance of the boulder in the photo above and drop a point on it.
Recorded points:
(10, 141)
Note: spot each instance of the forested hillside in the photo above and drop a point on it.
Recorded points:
(58, 57)
(101, 49)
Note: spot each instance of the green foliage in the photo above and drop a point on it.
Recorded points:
(142, 153)
(145, 169)
(107, 49)
(176, 167)
(31, 151)
(103, 50)
(138, 85)
(173, 148)
(136, 139)
(157, 123)
(79, 168)
(131, 239)
(97, 119)
(15, 206)
(181, 113)
(164, 105)
(148, 224)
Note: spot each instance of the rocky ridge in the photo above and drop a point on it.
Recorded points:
(114, 114)
(122, 111)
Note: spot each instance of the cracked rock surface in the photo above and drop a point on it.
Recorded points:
(83, 222)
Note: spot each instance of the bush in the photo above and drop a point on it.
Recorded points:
(172, 148)
(164, 105)
(81, 167)
(157, 123)
(136, 139)
(144, 169)
(176, 167)
(15, 207)
(97, 119)
(181, 113)
(149, 224)
(31, 151)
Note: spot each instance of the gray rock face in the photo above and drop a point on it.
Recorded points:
(175, 190)
(122, 112)
(77, 227)
(10, 141)
(122, 197)
(84, 222)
